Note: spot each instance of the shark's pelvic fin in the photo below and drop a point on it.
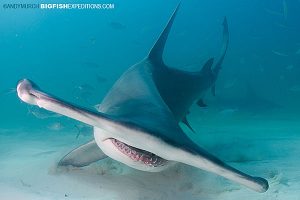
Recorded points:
(155, 55)
(186, 122)
(207, 67)
(134, 111)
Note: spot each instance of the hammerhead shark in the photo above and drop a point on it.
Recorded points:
(137, 123)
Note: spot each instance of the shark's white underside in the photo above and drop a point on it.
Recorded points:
(107, 128)
(137, 121)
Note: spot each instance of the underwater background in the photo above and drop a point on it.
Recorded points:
(252, 123)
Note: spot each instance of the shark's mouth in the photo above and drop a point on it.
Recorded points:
(139, 155)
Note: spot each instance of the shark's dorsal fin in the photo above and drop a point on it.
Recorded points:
(155, 54)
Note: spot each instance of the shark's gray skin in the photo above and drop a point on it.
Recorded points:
(137, 121)
(211, 74)
(188, 86)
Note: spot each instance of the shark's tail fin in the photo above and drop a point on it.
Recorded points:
(218, 64)
(155, 54)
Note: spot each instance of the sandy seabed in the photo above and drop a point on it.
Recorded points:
(267, 148)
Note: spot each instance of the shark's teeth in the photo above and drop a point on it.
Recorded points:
(139, 155)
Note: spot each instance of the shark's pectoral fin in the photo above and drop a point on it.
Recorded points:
(201, 104)
(186, 122)
(83, 155)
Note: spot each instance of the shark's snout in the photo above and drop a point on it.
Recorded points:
(24, 91)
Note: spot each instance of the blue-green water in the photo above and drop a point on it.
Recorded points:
(252, 123)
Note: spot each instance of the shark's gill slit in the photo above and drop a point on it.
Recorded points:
(139, 155)
(143, 109)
